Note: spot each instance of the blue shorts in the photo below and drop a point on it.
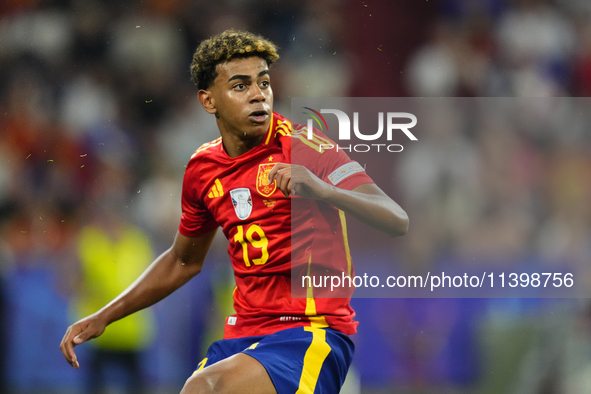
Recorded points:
(312, 360)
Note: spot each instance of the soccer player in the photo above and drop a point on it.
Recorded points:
(246, 182)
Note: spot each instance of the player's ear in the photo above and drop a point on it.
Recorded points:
(206, 99)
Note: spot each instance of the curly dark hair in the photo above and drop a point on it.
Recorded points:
(230, 44)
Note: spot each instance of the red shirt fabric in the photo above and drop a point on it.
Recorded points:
(270, 234)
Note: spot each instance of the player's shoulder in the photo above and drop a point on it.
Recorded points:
(310, 142)
(302, 139)
(198, 163)
(206, 149)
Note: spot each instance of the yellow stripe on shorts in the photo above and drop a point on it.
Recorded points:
(313, 360)
(200, 366)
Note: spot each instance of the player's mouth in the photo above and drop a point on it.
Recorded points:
(258, 116)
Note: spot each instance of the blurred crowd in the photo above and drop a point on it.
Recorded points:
(525, 48)
(98, 118)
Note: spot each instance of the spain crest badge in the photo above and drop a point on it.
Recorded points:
(263, 186)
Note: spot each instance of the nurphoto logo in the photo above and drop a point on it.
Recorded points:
(392, 125)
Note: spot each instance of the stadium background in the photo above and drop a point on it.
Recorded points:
(98, 118)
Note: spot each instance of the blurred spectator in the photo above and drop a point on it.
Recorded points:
(582, 65)
(113, 253)
(37, 244)
(88, 100)
(536, 42)
(46, 33)
(433, 70)
(560, 361)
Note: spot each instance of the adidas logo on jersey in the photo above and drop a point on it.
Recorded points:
(216, 190)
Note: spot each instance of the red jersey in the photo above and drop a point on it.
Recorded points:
(265, 240)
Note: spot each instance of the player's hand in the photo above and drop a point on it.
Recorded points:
(298, 180)
(80, 332)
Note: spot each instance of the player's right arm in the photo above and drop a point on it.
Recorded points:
(168, 272)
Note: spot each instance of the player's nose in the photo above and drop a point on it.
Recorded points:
(257, 94)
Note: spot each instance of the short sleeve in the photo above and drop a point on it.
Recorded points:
(329, 164)
(196, 218)
(337, 169)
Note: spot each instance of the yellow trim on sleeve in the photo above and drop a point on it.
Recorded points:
(207, 145)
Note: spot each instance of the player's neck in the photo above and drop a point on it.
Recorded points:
(236, 146)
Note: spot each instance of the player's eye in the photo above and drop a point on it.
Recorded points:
(265, 84)
(240, 86)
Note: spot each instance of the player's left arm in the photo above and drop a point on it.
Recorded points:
(367, 202)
